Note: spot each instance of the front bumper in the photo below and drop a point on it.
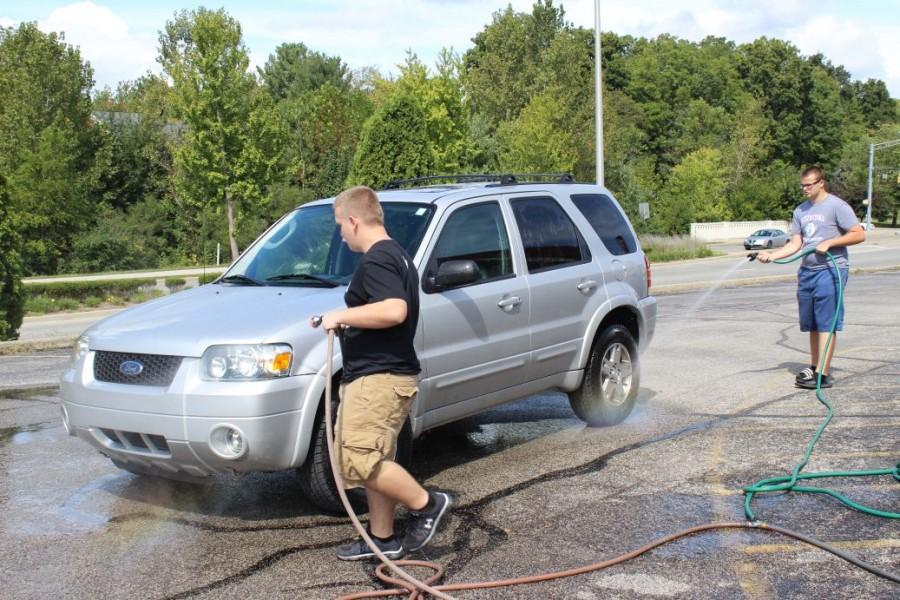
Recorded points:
(179, 429)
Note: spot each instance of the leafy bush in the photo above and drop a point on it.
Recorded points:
(175, 282)
(140, 238)
(80, 290)
(92, 301)
(661, 248)
(43, 304)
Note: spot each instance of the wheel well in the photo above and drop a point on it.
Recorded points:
(624, 316)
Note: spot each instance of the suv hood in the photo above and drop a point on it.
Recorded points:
(187, 323)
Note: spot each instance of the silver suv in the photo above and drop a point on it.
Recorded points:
(525, 287)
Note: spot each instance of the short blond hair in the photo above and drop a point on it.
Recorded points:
(361, 202)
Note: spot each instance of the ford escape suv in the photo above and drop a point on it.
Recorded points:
(525, 287)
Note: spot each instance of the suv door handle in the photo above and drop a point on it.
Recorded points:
(586, 285)
(509, 303)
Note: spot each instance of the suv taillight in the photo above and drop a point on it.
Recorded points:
(647, 265)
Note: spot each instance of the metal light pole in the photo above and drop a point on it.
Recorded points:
(598, 95)
(872, 149)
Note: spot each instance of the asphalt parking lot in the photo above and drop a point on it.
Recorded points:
(537, 490)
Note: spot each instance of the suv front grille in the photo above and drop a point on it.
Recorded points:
(146, 369)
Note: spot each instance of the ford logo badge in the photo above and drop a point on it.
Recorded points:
(132, 368)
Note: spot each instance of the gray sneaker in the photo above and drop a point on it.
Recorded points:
(359, 550)
(423, 524)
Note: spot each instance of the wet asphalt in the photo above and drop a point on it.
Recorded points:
(537, 490)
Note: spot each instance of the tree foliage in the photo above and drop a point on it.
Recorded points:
(230, 145)
(48, 142)
(394, 145)
(294, 70)
(694, 192)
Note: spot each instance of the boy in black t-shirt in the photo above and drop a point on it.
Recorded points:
(379, 380)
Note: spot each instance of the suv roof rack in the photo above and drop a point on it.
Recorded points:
(503, 179)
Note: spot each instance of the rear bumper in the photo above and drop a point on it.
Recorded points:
(647, 306)
(181, 429)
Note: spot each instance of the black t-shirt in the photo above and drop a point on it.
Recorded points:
(385, 271)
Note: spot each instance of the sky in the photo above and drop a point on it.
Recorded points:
(120, 37)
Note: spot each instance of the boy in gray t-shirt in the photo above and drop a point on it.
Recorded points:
(828, 224)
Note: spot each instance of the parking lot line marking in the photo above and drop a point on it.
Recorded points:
(851, 545)
(722, 490)
(753, 581)
(749, 577)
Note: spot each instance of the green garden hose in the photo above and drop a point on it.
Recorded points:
(789, 483)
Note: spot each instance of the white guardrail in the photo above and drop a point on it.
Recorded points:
(729, 230)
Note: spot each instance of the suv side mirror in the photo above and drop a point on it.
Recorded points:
(454, 273)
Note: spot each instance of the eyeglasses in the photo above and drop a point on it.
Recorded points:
(809, 185)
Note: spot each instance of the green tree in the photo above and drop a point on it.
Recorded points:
(295, 69)
(446, 115)
(695, 192)
(800, 98)
(537, 141)
(229, 148)
(502, 66)
(875, 102)
(48, 142)
(665, 75)
(394, 145)
(325, 125)
(12, 295)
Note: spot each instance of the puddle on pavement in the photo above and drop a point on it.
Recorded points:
(76, 514)
(22, 433)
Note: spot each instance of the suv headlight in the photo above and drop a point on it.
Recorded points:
(79, 349)
(244, 362)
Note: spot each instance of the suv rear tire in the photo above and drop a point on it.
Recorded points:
(611, 379)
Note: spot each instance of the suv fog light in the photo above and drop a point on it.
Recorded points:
(228, 442)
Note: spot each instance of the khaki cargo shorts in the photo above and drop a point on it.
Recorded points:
(370, 416)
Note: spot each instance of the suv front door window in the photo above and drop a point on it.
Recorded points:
(476, 337)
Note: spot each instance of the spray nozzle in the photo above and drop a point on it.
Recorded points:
(752, 256)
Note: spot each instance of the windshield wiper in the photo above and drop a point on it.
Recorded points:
(240, 279)
(303, 277)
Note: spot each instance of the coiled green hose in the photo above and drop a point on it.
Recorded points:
(789, 483)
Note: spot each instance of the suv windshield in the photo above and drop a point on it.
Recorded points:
(305, 247)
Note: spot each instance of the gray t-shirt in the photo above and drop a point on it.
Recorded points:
(820, 221)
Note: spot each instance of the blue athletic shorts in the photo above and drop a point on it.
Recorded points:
(817, 296)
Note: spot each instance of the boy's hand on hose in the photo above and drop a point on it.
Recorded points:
(764, 257)
(328, 322)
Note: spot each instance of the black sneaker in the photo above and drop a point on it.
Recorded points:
(423, 524)
(359, 550)
(806, 375)
(811, 383)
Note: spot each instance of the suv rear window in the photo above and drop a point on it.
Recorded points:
(549, 237)
(608, 221)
